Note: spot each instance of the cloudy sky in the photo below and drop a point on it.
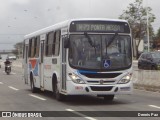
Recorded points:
(20, 17)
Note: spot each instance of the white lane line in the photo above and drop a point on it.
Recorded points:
(115, 98)
(69, 110)
(80, 114)
(1, 83)
(154, 106)
(13, 88)
(35, 96)
(90, 118)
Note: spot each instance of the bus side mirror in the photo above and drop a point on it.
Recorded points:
(66, 42)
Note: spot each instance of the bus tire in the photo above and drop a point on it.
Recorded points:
(57, 94)
(108, 97)
(33, 88)
(54, 79)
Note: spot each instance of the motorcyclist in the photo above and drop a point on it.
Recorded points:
(7, 62)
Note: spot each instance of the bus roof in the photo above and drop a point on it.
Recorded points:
(65, 24)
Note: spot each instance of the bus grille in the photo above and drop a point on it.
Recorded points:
(101, 75)
(94, 88)
(98, 81)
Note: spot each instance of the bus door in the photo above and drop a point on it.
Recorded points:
(63, 67)
(41, 65)
(26, 67)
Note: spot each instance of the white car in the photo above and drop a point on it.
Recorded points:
(11, 57)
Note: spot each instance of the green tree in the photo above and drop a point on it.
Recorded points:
(156, 41)
(158, 34)
(136, 15)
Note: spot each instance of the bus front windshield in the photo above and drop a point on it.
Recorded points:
(100, 52)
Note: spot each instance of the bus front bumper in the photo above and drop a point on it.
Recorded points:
(88, 89)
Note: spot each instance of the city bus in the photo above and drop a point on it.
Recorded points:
(80, 57)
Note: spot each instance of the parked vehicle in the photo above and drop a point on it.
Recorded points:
(149, 61)
(11, 57)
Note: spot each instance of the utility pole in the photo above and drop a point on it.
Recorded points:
(147, 26)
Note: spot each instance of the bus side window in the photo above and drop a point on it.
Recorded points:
(49, 43)
(56, 43)
(34, 47)
(30, 42)
(37, 46)
(24, 49)
(46, 46)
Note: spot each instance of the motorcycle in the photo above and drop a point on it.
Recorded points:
(8, 69)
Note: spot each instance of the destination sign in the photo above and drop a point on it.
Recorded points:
(99, 26)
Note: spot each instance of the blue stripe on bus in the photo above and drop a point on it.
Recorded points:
(84, 71)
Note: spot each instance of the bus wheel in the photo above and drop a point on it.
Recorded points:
(58, 95)
(33, 88)
(109, 97)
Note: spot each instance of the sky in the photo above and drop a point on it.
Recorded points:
(21, 17)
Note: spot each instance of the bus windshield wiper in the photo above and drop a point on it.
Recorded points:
(112, 39)
(89, 39)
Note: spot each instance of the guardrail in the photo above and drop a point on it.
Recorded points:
(147, 80)
(6, 51)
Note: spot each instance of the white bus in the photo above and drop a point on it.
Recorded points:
(80, 57)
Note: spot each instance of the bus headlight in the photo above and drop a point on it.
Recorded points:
(76, 79)
(125, 79)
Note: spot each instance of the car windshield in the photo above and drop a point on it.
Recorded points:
(100, 52)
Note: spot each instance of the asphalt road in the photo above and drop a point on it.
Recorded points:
(16, 96)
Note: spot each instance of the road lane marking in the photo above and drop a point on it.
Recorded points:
(70, 110)
(154, 106)
(115, 98)
(90, 118)
(35, 96)
(13, 88)
(1, 83)
(80, 114)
